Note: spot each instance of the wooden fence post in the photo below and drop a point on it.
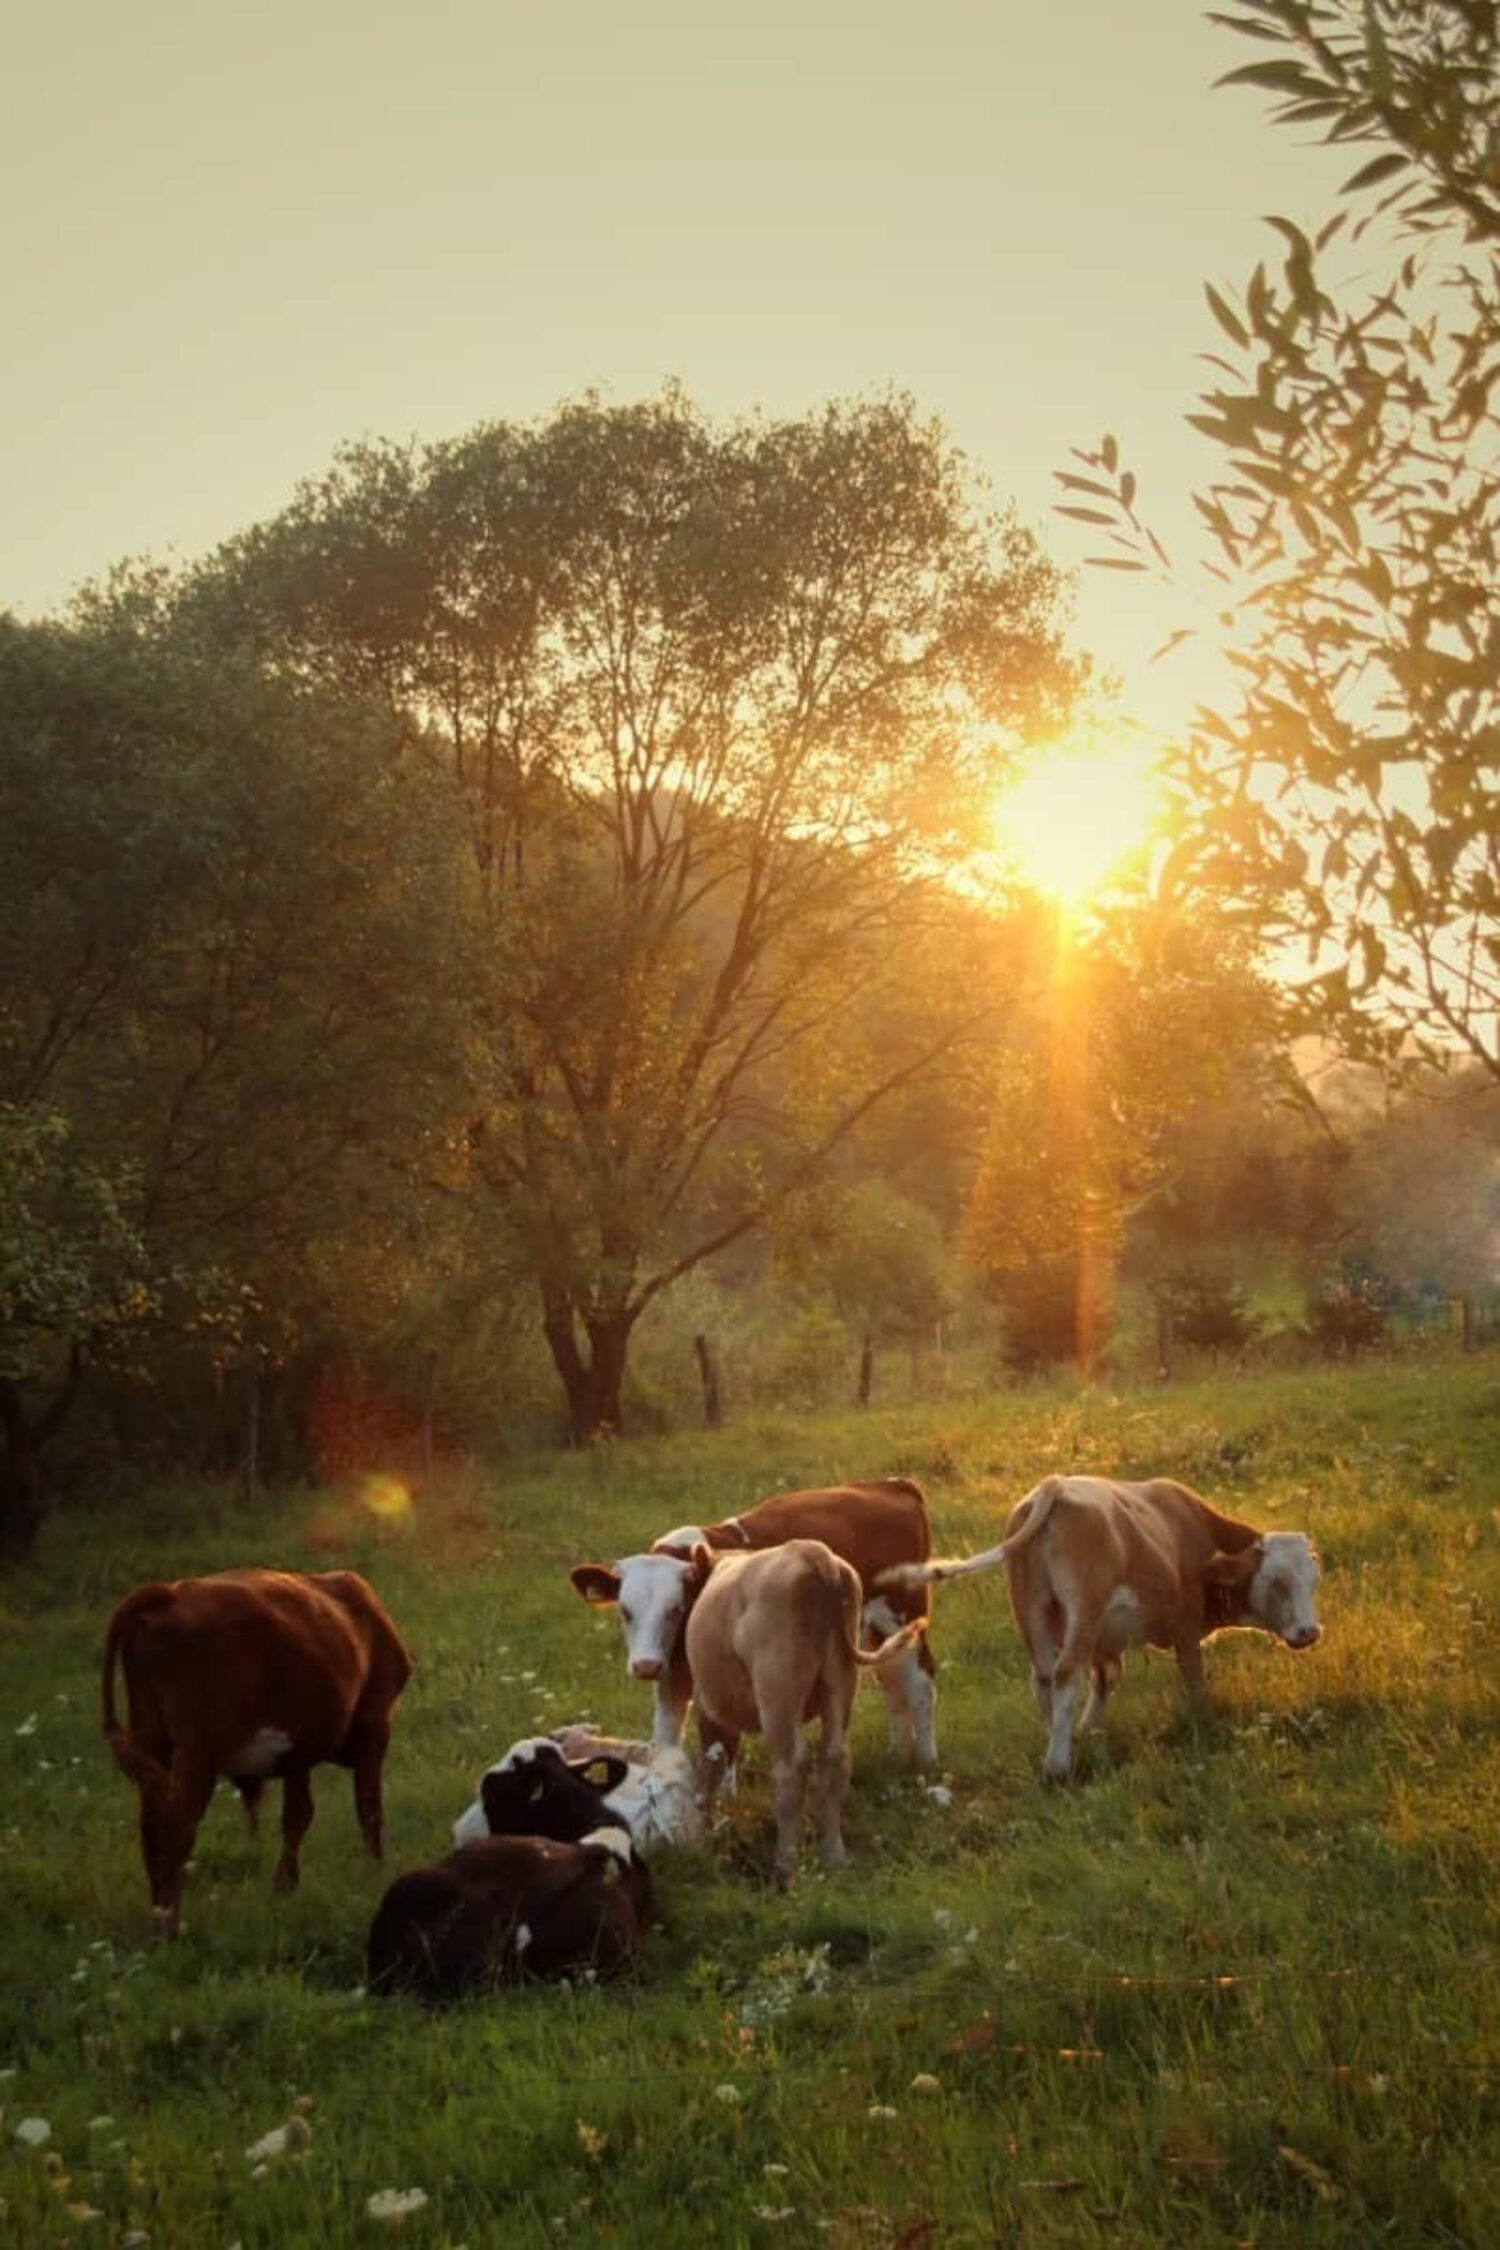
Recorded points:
(708, 1374)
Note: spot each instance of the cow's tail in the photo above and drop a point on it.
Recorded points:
(1042, 1502)
(892, 1648)
(127, 1753)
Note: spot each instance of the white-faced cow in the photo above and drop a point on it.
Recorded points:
(1096, 1567)
(547, 1784)
(507, 1907)
(255, 1675)
(773, 1642)
(873, 1527)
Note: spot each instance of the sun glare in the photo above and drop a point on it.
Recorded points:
(1074, 818)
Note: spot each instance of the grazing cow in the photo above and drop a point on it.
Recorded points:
(510, 1906)
(773, 1641)
(255, 1675)
(871, 1526)
(546, 1785)
(1096, 1567)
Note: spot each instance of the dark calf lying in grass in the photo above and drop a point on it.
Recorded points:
(510, 1906)
(256, 1675)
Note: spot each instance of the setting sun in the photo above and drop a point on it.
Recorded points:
(1071, 820)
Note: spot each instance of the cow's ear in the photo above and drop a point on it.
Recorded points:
(702, 1563)
(596, 1584)
(603, 1772)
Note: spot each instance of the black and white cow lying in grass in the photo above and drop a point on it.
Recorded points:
(561, 1785)
(509, 1907)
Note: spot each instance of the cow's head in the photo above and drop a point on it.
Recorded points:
(536, 1791)
(1273, 1584)
(654, 1593)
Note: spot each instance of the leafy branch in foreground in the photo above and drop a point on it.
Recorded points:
(1345, 795)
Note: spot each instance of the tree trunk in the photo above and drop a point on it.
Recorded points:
(20, 1476)
(21, 1442)
(708, 1371)
(250, 1458)
(591, 1386)
(866, 1372)
(429, 1392)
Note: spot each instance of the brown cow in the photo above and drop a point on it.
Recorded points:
(1096, 1567)
(871, 1526)
(773, 1641)
(256, 1675)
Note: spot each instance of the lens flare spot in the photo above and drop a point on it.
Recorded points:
(385, 1496)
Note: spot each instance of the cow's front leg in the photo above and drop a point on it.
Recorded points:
(671, 1696)
(720, 1749)
(1103, 1678)
(175, 1821)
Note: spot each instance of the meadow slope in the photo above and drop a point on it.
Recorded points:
(1236, 1985)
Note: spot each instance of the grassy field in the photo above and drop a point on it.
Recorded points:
(1238, 1984)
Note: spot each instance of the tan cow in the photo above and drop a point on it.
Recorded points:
(872, 1526)
(773, 1642)
(255, 1675)
(1097, 1567)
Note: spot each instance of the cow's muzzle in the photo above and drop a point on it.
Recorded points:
(1304, 1636)
(646, 1667)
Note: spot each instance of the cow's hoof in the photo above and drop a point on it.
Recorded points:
(164, 1922)
(285, 1879)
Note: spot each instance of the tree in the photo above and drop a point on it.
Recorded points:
(1347, 794)
(221, 899)
(75, 1279)
(1146, 1022)
(718, 705)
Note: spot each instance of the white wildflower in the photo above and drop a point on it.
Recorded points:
(33, 2132)
(269, 2145)
(100, 2124)
(27, 1726)
(729, 2095)
(940, 1795)
(774, 2217)
(882, 2110)
(394, 2204)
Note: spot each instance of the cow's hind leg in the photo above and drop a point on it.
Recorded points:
(296, 1819)
(175, 1818)
(790, 1758)
(717, 1764)
(833, 1774)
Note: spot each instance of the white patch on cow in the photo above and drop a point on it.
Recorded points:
(471, 1827)
(615, 1841)
(687, 1535)
(526, 1753)
(653, 1603)
(260, 1755)
(1283, 1592)
(879, 1617)
(1123, 1624)
(1060, 1740)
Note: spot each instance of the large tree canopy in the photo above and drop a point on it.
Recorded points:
(1346, 792)
(718, 704)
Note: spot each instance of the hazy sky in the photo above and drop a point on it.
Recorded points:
(233, 237)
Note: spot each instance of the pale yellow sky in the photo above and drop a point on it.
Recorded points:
(233, 237)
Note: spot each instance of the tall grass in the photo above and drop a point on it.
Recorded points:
(1238, 1983)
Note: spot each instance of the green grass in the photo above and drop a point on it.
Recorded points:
(1238, 1984)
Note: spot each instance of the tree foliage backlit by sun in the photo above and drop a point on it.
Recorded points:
(1346, 794)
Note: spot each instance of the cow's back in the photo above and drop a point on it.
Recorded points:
(873, 1526)
(247, 1653)
(775, 1617)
